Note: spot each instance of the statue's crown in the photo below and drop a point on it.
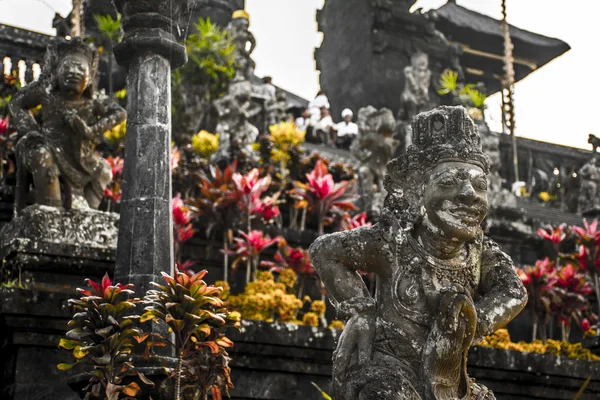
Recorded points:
(75, 46)
(442, 134)
(240, 14)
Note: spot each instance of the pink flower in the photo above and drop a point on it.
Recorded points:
(116, 164)
(250, 245)
(589, 235)
(294, 258)
(103, 289)
(585, 325)
(569, 279)
(349, 223)
(554, 235)
(181, 214)
(175, 157)
(3, 125)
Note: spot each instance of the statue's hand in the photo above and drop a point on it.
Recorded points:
(357, 338)
(78, 125)
(456, 288)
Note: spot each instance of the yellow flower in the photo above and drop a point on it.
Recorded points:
(205, 143)
(288, 278)
(285, 136)
(121, 94)
(310, 319)
(336, 324)
(318, 307)
(117, 133)
(545, 196)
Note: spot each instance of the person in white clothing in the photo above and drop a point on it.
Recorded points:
(325, 128)
(315, 106)
(346, 130)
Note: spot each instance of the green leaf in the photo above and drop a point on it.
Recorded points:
(68, 344)
(65, 367)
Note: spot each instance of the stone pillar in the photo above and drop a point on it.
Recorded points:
(150, 48)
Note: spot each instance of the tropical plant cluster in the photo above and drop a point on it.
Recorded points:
(104, 335)
(559, 286)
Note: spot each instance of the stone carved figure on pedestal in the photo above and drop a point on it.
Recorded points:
(61, 150)
(589, 195)
(236, 133)
(415, 97)
(373, 148)
(441, 284)
(242, 37)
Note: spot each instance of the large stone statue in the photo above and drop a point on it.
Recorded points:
(242, 37)
(60, 149)
(373, 148)
(415, 97)
(236, 133)
(441, 284)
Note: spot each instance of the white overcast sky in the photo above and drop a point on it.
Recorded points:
(557, 103)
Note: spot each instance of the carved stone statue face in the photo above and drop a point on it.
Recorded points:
(420, 62)
(73, 75)
(455, 199)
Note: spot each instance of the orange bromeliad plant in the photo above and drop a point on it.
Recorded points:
(196, 316)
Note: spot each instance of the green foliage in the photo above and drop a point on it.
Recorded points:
(102, 336)
(195, 315)
(109, 27)
(448, 82)
(465, 95)
(212, 56)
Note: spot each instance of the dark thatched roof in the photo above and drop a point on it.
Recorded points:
(484, 34)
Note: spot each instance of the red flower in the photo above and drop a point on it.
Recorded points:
(323, 196)
(3, 125)
(265, 207)
(181, 214)
(250, 184)
(589, 235)
(569, 279)
(349, 223)
(542, 275)
(105, 288)
(185, 232)
(585, 325)
(297, 259)
(554, 235)
(250, 245)
(116, 164)
(185, 267)
(113, 195)
(588, 261)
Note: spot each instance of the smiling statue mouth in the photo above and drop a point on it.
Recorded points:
(467, 214)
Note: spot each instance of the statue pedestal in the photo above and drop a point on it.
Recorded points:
(47, 254)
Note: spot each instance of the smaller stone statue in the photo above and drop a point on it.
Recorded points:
(589, 194)
(373, 148)
(442, 285)
(236, 133)
(415, 97)
(242, 37)
(60, 151)
(594, 141)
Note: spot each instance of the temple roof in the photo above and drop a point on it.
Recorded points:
(482, 39)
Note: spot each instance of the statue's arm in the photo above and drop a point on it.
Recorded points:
(252, 41)
(111, 114)
(28, 97)
(503, 295)
(338, 256)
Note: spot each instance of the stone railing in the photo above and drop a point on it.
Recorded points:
(22, 51)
